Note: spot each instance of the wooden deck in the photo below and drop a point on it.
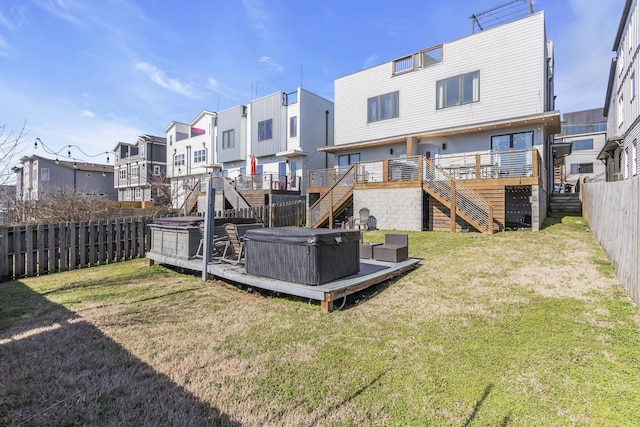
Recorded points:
(371, 272)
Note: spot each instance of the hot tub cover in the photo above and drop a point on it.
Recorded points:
(302, 236)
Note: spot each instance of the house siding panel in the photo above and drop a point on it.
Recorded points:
(269, 107)
(235, 119)
(511, 61)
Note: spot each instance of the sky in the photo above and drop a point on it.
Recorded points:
(92, 73)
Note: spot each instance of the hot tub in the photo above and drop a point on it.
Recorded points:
(302, 255)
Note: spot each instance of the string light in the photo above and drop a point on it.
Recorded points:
(68, 148)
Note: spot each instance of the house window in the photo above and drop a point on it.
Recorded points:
(141, 151)
(265, 130)
(383, 107)
(135, 171)
(575, 129)
(513, 141)
(228, 138)
(348, 159)
(138, 193)
(583, 144)
(620, 110)
(199, 156)
(170, 139)
(44, 174)
(293, 127)
(122, 173)
(458, 90)
(577, 168)
(178, 160)
(156, 170)
(127, 194)
(600, 127)
(633, 85)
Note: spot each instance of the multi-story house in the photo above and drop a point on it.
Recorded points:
(259, 153)
(455, 136)
(38, 175)
(620, 152)
(190, 157)
(141, 169)
(583, 136)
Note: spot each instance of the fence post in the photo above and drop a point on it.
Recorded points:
(43, 265)
(109, 238)
(82, 244)
(4, 254)
(64, 246)
(73, 245)
(53, 265)
(30, 252)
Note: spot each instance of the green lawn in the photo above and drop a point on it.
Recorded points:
(516, 328)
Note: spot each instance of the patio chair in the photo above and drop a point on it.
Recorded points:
(217, 245)
(363, 221)
(234, 247)
(395, 248)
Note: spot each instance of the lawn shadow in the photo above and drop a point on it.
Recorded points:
(58, 369)
(478, 404)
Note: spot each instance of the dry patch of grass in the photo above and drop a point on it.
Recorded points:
(515, 328)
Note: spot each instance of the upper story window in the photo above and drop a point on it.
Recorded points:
(620, 110)
(383, 107)
(178, 160)
(122, 173)
(141, 152)
(44, 174)
(458, 90)
(600, 126)
(632, 82)
(265, 130)
(170, 139)
(583, 144)
(228, 137)
(293, 127)
(199, 156)
(138, 193)
(581, 168)
(127, 193)
(135, 171)
(156, 170)
(574, 129)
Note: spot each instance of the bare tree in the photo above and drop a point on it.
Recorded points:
(12, 144)
(160, 192)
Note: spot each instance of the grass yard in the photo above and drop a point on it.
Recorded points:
(516, 328)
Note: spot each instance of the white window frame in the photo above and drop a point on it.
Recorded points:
(200, 156)
(127, 194)
(442, 88)
(178, 160)
(228, 138)
(293, 127)
(383, 107)
(45, 174)
(137, 193)
(156, 170)
(122, 173)
(135, 171)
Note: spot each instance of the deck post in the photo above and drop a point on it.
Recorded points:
(326, 306)
(209, 225)
(330, 209)
(535, 159)
(490, 231)
(453, 206)
(385, 171)
(478, 171)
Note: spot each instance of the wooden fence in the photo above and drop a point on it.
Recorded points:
(611, 210)
(33, 250)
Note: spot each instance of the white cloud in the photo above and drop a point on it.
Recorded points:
(4, 47)
(258, 15)
(271, 66)
(87, 113)
(370, 61)
(158, 77)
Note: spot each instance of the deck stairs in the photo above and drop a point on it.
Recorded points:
(468, 204)
(191, 199)
(566, 203)
(233, 196)
(334, 201)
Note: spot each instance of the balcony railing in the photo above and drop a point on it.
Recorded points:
(267, 181)
(474, 166)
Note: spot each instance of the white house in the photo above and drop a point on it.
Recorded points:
(190, 156)
(621, 104)
(474, 115)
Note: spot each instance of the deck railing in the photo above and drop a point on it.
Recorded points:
(491, 164)
(341, 187)
(268, 181)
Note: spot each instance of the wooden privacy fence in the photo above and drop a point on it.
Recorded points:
(34, 250)
(611, 210)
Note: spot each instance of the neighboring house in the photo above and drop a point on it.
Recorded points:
(141, 169)
(38, 175)
(583, 136)
(453, 137)
(190, 156)
(259, 153)
(7, 197)
(622, 109)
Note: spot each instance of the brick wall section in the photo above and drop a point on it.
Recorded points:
(394, 209)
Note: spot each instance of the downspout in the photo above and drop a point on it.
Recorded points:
(326, 138)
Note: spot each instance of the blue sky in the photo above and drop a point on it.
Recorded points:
(92, 73)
